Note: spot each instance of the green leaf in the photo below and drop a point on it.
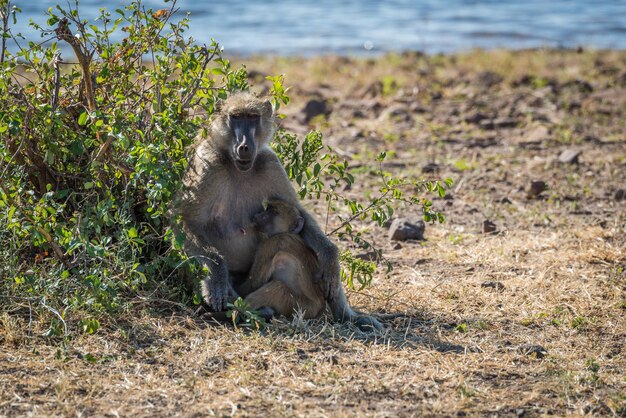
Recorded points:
(82, 119)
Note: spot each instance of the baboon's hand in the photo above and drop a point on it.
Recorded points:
(217, 295)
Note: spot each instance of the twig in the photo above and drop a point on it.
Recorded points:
(208, 57)
(57, 81)
(54, 311)
(63, 33)
(359, 213)
(5, 29)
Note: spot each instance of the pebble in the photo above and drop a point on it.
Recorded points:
(313, 108)
(536, 188)
(489, 227)
(570, 156)
(537, 135)
(533, 350)
(492, 285)
(403, 229)
(430, 168)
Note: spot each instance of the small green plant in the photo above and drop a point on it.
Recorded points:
(461, 327)
(591, 374)
(390, 85)
(243, 316)
(579, 323)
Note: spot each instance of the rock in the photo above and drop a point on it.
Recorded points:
(499, 123)
(506, 200)
(403, 229)
(505, 123)
(365, 108)
(373, 90)
(570, 156)
(537, 135)
(488, 79)
(621, 78)
(313, 108)
(536, 188)
(397, 113)
(398, 246)
(368, 256)
(620, 194)
(492, 285)
(430, 168)
(476, 117)
(489, 227)
(536, 351)
(580, 86)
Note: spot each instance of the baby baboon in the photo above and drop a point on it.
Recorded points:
(282, 276)
(233, 170)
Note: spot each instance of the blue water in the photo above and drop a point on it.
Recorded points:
(308, 27)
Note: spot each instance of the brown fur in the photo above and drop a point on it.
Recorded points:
(282, 276)
(219, 199)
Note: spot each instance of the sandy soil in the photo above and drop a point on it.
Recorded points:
(526, 320)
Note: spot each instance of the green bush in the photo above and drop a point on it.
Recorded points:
(92, 153)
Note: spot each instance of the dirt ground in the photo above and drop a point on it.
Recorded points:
(515, 306)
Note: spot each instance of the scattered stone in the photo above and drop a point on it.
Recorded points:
(621, 78)
(536, 351)
(499, 123)
(255, 75)
(313, 108)
(397, 113)
(537, 135)
(476, 117)
(536, 188)
(302, 355)
(489, 227)
(570, 156)
(580, 86)
(505, 123)
(520, 412)
(620, 194)
(368, 256)
(430, 168)
(493, 285)
(488, 79)
(403, 229)
(373, 90)
(417, 108)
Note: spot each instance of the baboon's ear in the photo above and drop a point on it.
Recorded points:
(298, 226)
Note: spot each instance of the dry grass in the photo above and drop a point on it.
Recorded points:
(530, 321)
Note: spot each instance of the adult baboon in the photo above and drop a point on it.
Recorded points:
(232, 171)
(282, 276)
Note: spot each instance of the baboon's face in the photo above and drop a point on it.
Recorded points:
(244, 127)
(278, 217)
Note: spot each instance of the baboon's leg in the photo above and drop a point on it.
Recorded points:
(260, 272)
(289, 289)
